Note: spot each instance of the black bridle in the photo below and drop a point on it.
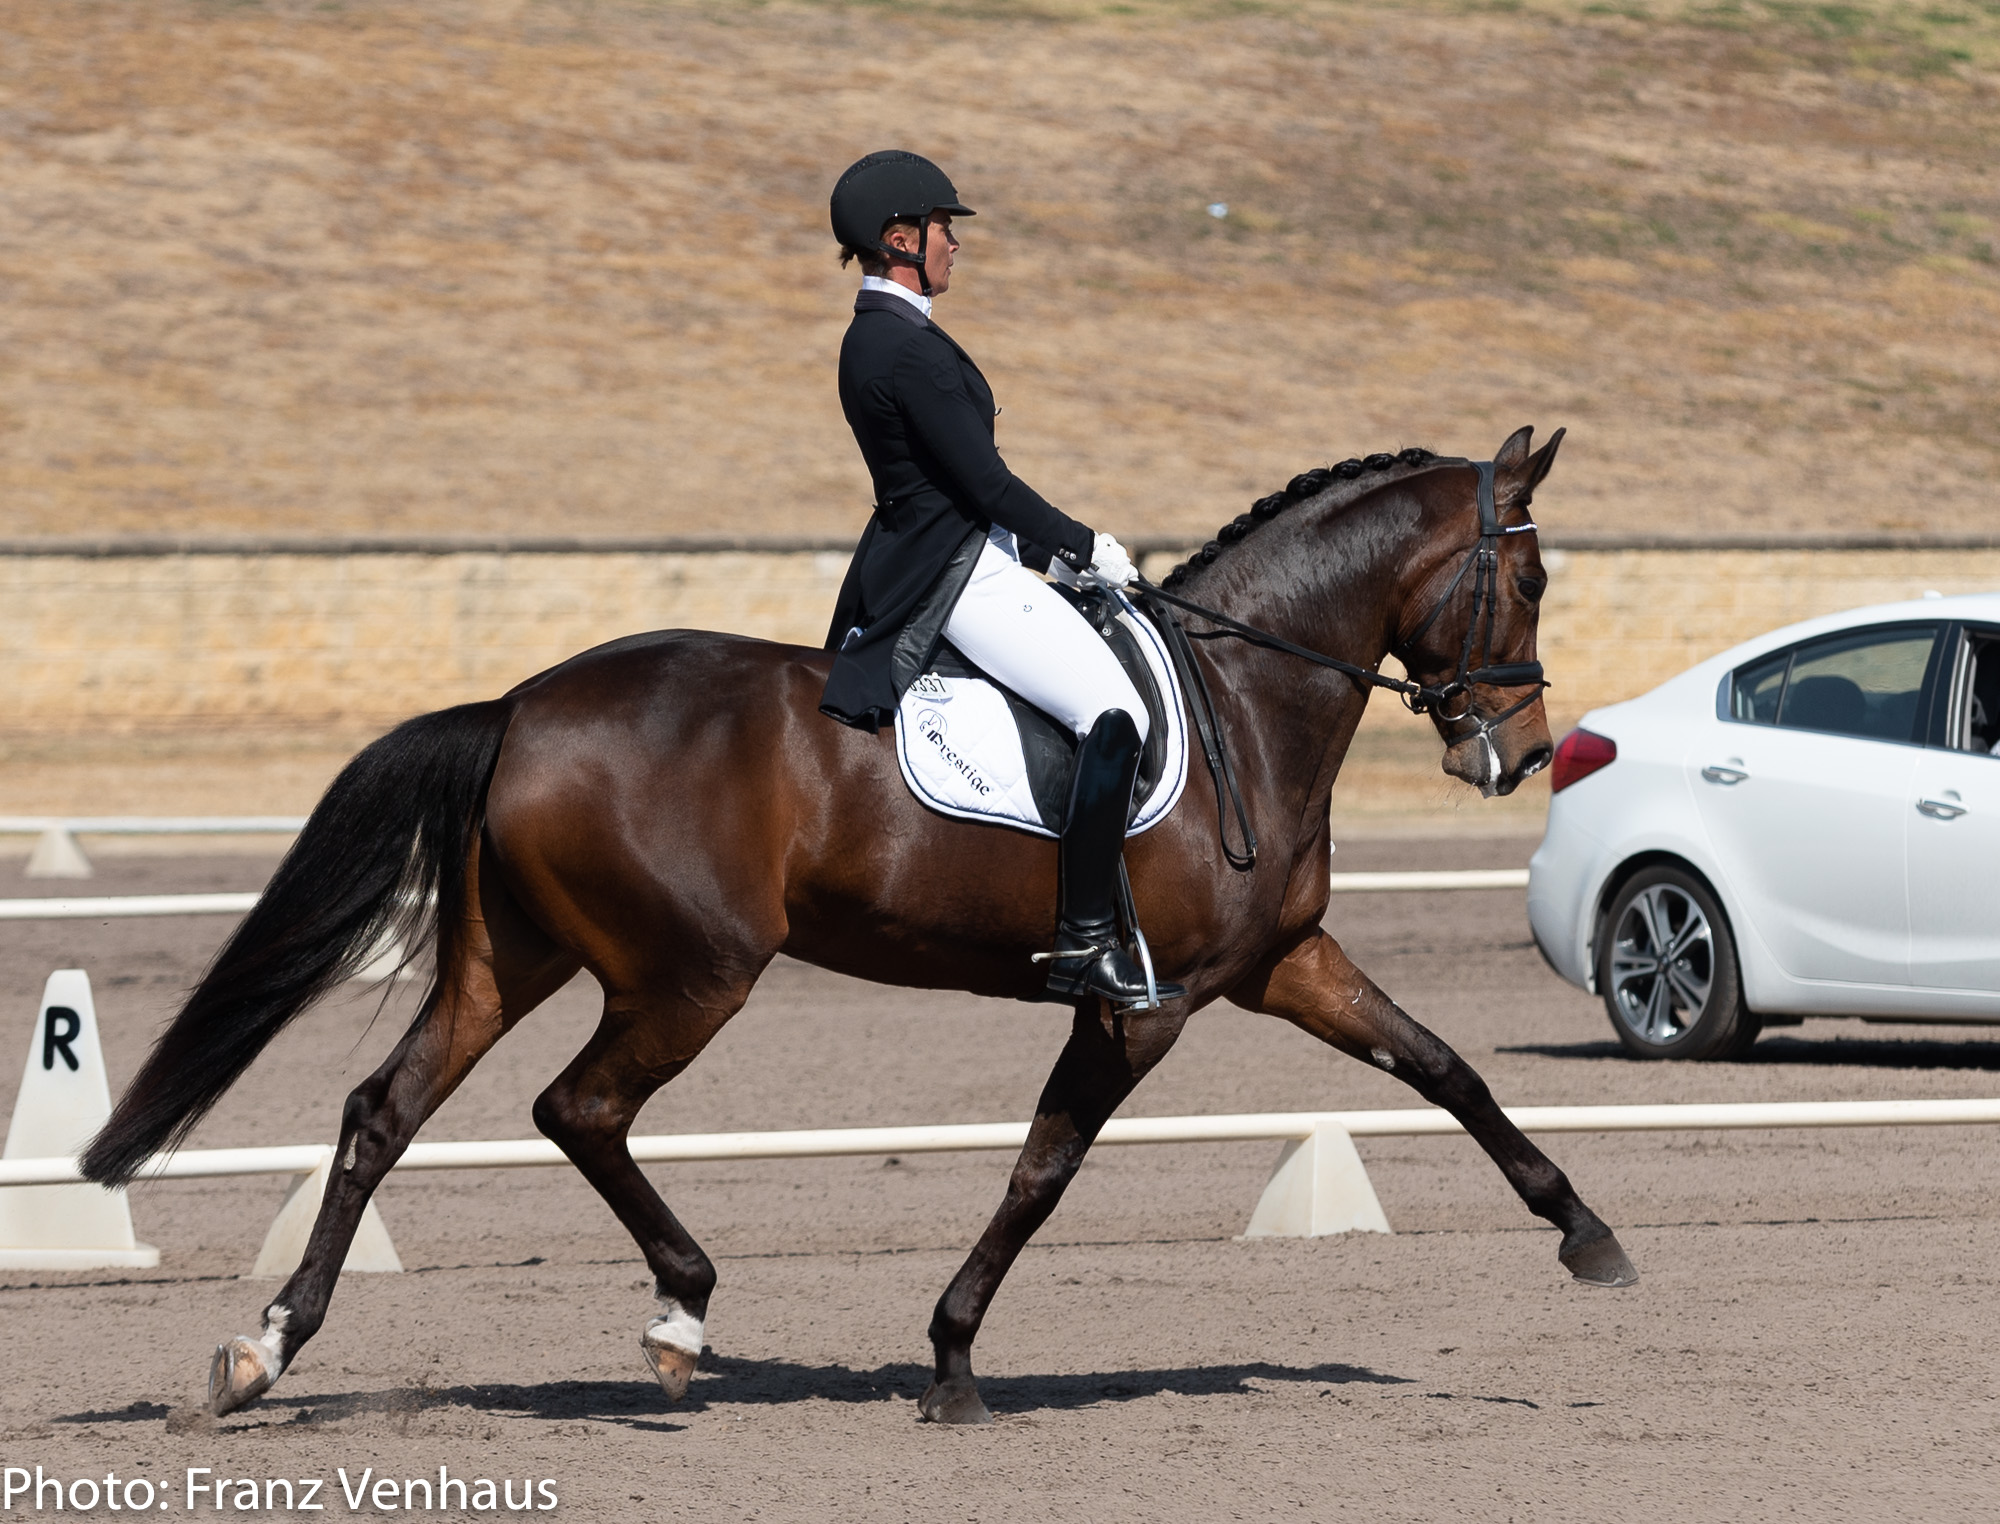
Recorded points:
(1482, 564)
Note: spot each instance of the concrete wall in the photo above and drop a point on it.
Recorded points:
(310, 641)
(104, 640)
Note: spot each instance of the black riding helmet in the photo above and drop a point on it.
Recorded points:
(892, 186)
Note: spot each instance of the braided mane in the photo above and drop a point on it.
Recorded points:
(1307, 484)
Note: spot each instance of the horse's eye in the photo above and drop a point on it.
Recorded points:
(1531, 587)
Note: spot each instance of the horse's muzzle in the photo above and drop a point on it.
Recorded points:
(1537, 758)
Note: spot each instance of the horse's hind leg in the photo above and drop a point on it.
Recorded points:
(1315, 986)
(510, 968)
(589, 1110)
(1105, 1058)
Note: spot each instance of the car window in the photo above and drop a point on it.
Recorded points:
(1755, 693)
(1861, 684)
(1975, 709)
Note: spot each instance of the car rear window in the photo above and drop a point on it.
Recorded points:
(1864, 683)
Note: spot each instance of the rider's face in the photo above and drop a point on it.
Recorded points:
(937, 256)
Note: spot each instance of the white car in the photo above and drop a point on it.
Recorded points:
(1808, 825)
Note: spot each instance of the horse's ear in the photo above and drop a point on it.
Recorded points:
(1542, 459)
(1513, 455)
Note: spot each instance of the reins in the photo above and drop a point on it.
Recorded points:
(1483, 562)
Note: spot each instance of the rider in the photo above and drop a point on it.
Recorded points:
(952, 549)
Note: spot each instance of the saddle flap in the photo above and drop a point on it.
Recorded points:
(971, 748)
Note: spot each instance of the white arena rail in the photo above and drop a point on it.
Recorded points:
(84, 907)
(839, 1142)
(1318, 1186)
(87, 907)
(153, 825)
(58, 855)
(1459, 878)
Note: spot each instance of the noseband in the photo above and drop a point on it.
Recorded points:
(1483, 565)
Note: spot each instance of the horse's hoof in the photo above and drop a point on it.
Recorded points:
(241, 1372)
(954, 1401)
(672, 1365)
(1599, 1262)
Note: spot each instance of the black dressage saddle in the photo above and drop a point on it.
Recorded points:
(1047, 746)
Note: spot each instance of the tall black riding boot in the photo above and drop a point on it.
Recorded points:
(1089, 960)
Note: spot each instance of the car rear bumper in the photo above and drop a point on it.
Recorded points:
(1565, 877)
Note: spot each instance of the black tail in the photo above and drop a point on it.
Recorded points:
(386, 847)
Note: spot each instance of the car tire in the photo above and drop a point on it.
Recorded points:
(1688, 1004)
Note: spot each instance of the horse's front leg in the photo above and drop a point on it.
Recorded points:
(1317, 987)
(1105, 1058)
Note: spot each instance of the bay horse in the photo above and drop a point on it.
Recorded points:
(671, 811)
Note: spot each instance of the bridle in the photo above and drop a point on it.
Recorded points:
(1482, 564)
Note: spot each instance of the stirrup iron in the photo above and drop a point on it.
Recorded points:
(1100, 941)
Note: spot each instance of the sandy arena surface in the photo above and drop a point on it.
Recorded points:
(1810, 1338)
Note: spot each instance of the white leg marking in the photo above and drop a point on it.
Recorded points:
(243, 1369)
(277, 1318)
(672, 1347)
(675, 1328)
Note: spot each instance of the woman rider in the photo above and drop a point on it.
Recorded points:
(953, 546)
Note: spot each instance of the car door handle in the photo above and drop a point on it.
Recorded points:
(1715, 772)
(1940, 809)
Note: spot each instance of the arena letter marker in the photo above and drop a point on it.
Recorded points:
(63, 1100)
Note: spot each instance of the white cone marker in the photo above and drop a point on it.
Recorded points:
(63, 1100)
(285, 1241)
(1319, 1187)
(58, 854)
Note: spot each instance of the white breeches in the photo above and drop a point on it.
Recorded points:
(1019, 631)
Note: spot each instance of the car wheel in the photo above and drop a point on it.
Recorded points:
(1666, 967)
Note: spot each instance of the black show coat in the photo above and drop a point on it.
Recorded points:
(923, 416)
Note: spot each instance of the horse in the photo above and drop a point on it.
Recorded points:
(671, 811)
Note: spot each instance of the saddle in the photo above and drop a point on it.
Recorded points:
(974, 750)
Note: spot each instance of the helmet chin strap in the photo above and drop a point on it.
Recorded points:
(921, 259)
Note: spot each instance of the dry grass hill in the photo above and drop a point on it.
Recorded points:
(562, 267)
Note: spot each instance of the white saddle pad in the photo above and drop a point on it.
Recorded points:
(961, 753)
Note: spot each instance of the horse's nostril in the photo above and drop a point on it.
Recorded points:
(1534, 762)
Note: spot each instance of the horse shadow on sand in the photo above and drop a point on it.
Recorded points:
(728, 1382)
(1818, 1052)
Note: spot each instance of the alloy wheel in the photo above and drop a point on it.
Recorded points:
(1662, 964)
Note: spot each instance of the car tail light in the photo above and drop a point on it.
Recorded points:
(1582, 753)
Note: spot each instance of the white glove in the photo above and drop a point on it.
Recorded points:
(1110, 563)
